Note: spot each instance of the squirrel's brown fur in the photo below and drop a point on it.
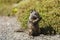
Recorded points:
(33, 27)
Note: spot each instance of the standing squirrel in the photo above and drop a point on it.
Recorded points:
(33, 27)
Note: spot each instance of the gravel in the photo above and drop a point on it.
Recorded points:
(9, 24)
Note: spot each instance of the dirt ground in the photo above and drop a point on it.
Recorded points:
(9, 24)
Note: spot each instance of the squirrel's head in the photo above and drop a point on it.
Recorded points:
(33, 12)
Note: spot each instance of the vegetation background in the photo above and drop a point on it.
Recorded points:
(49, 10)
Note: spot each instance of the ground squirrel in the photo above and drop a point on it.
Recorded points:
(33, 27)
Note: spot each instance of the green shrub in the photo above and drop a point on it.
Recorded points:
(49, 10)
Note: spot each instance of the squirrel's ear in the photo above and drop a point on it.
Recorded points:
(31, 11)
